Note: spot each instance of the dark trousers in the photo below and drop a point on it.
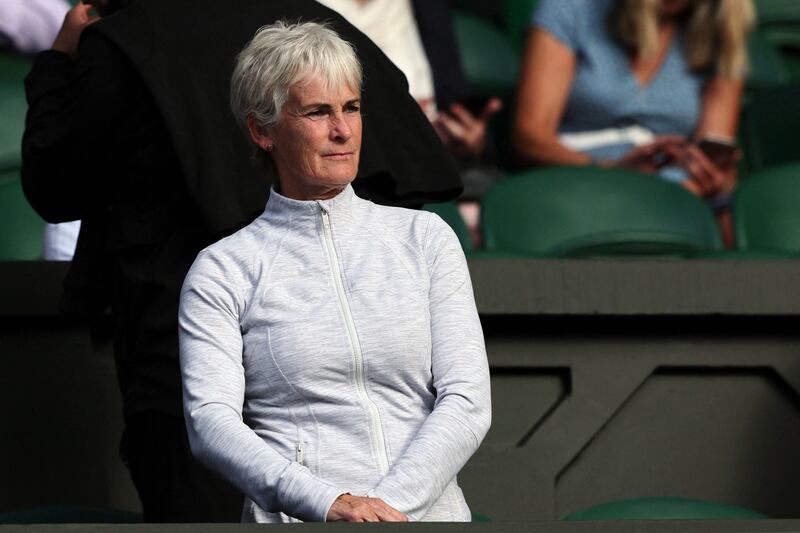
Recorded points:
(172, 485)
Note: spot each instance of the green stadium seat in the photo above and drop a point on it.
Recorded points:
(593, 212)
(767, 65)
(518, 18)
(769, 126)
(665, 509)
(13, 106)
(449, 213)
(490, 61)
(22, 232)
(779, 20)
(765, 212)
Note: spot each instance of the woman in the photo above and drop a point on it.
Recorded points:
(635, 83)
(332, 358)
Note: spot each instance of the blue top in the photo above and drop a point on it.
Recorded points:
(605, 93)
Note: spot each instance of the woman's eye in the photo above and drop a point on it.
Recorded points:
(353, 109)
(316, 113)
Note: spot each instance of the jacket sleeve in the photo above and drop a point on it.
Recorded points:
(73, 126)
(462, 412)
(213, 391)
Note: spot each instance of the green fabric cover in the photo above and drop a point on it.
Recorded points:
(448, 211)
(765, 211)
(13, 106)
(22, 230)
(489, 60)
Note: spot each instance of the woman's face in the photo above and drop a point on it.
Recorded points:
(317, 141)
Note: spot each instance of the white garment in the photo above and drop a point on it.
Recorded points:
(333, 346)
(60, 240)
(391, 25)
(32, 25)
(587, 140)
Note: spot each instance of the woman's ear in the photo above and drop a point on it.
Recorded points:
(259, 134)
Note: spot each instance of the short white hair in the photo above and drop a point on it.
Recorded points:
(282, 54)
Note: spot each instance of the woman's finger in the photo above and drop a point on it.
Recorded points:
(699, 175)
(386, 512)
(492, 106)
(663, 141)
(456, 130)
(716, 175)
(442, 132)
(463, 115)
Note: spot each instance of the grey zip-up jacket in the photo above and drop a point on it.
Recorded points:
(333, 346)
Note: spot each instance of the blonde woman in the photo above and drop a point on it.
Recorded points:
(636, 83)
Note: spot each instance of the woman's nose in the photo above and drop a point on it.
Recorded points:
(340, 129)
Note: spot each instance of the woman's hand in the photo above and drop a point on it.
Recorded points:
(349, 508)
(75, 22)
(650, 157)
(705, 178)
(464, 133)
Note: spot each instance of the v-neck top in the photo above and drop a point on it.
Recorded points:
(605, 92)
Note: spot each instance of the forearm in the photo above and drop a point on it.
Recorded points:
(462, 413)
(546, 150)
(214, 384)
(439, 450)
(220, 440)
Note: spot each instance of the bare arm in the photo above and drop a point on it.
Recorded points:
(548, 69)
(719, 117)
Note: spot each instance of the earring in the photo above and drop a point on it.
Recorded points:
(269, 147)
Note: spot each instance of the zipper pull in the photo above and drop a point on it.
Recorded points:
(300, 455)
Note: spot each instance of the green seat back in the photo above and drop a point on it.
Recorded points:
(593, 212)
(766, 213)
(22, 230)
(449, 213)
(12, 108)
(779, 21)
(767, 65)
(490, 61)
(770, 128)
(772, 12)
(665, 509)
(518, 19)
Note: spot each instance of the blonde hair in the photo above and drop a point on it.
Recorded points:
(715, 32)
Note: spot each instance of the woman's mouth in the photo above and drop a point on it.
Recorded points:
(338, 156)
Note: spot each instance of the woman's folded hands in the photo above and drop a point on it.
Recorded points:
(349, 508)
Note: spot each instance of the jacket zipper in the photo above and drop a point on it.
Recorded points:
(355, 346)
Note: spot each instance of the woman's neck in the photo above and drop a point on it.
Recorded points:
(645, 69)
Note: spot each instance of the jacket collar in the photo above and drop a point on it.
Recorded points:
(282, 209)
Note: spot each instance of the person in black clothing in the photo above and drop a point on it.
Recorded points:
(130, 132)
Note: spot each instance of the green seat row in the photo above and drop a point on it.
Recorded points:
(12, 108)
(22, 230)
(593, 212)
(583, 212)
